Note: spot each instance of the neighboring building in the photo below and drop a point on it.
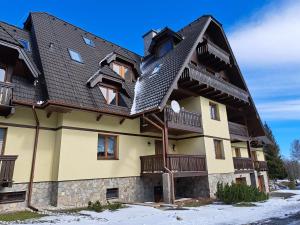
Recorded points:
(84, 119)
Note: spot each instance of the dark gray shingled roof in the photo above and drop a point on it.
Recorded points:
(24, 89)
(65, 79)
(152, 89)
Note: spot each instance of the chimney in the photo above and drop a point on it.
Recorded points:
(147, 40)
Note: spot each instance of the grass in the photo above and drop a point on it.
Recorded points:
(244, 204)
(195, 202)
(22, 215)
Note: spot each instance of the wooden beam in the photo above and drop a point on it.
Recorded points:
(99, 117)
(122, 121)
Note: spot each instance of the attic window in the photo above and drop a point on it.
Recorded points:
(25, 44)
(112, 95)
(2, 74)
(89, 41)
(123, 70)
(164, 48)
(75, 56)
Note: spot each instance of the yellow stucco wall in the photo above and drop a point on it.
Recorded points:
(243, 149)
(20, 141)
(259, 153)
(212, 129)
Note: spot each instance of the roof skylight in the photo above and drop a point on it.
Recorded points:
(156, 69)
(75, 56)
(89, 41)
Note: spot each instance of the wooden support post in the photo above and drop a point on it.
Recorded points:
(122, 121)
(49, 114)
(99, 117)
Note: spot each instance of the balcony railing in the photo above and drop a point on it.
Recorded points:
(184, 120)
(242, 163)
(261, 165)
(208, 47)
(238, 131)
(7, 165)
(176, 163)
(203, 76)
(6, 93)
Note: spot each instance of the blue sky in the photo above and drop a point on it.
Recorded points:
(264, 36)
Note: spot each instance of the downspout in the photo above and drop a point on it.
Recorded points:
(36, 138)
(164, 156)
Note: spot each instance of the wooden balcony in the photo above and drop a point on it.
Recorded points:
(238, 131)
(6, 93)
(245, 164)
(261, 165)
(180, 165)
(197, 79)
(184, 120)
(213, 55)
(7, 165)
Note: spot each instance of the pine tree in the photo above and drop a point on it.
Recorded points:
(273, 157)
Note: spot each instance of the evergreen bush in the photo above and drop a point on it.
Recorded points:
(235, 193)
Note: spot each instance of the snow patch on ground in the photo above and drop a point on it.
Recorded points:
(210, 214)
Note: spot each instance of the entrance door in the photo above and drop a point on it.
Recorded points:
(261, 183)
(158, 147)
(158, 194)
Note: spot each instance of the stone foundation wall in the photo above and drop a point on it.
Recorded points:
(41, 196)
(131, 189)
(213, 180)
(191, 187)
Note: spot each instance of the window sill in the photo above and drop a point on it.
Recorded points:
(107, 159)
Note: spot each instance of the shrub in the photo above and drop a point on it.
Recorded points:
(97, 207)
(235, 193)
(114, 206)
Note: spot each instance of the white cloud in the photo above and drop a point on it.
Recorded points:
(270, 38)
(280, 110)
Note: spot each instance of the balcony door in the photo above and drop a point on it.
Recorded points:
(158, 147)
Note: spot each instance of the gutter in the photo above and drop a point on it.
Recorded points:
(36, 138)
(165, 146)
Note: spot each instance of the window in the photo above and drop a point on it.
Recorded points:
(2, 74)
(214, 111)
(219, 151)
(2, 140)
(241, 180)
(107, 147)
(164, 48)
(112, 193)
(75, 56)
(25, 44)
(237, 152)
(9, 197)
(122, 70)
(89, 42)
(112, 96)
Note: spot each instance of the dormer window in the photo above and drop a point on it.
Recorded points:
(164, 48)
(112, 95)
(25, 44)
(2, 74)
(89, 41)
(123, 70)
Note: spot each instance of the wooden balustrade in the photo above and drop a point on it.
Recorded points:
(237, 130)
(175, 163)
(242, 163)
(208, 47)
(6, 91)
(261, 165)
(7, 165)
(183, 120)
